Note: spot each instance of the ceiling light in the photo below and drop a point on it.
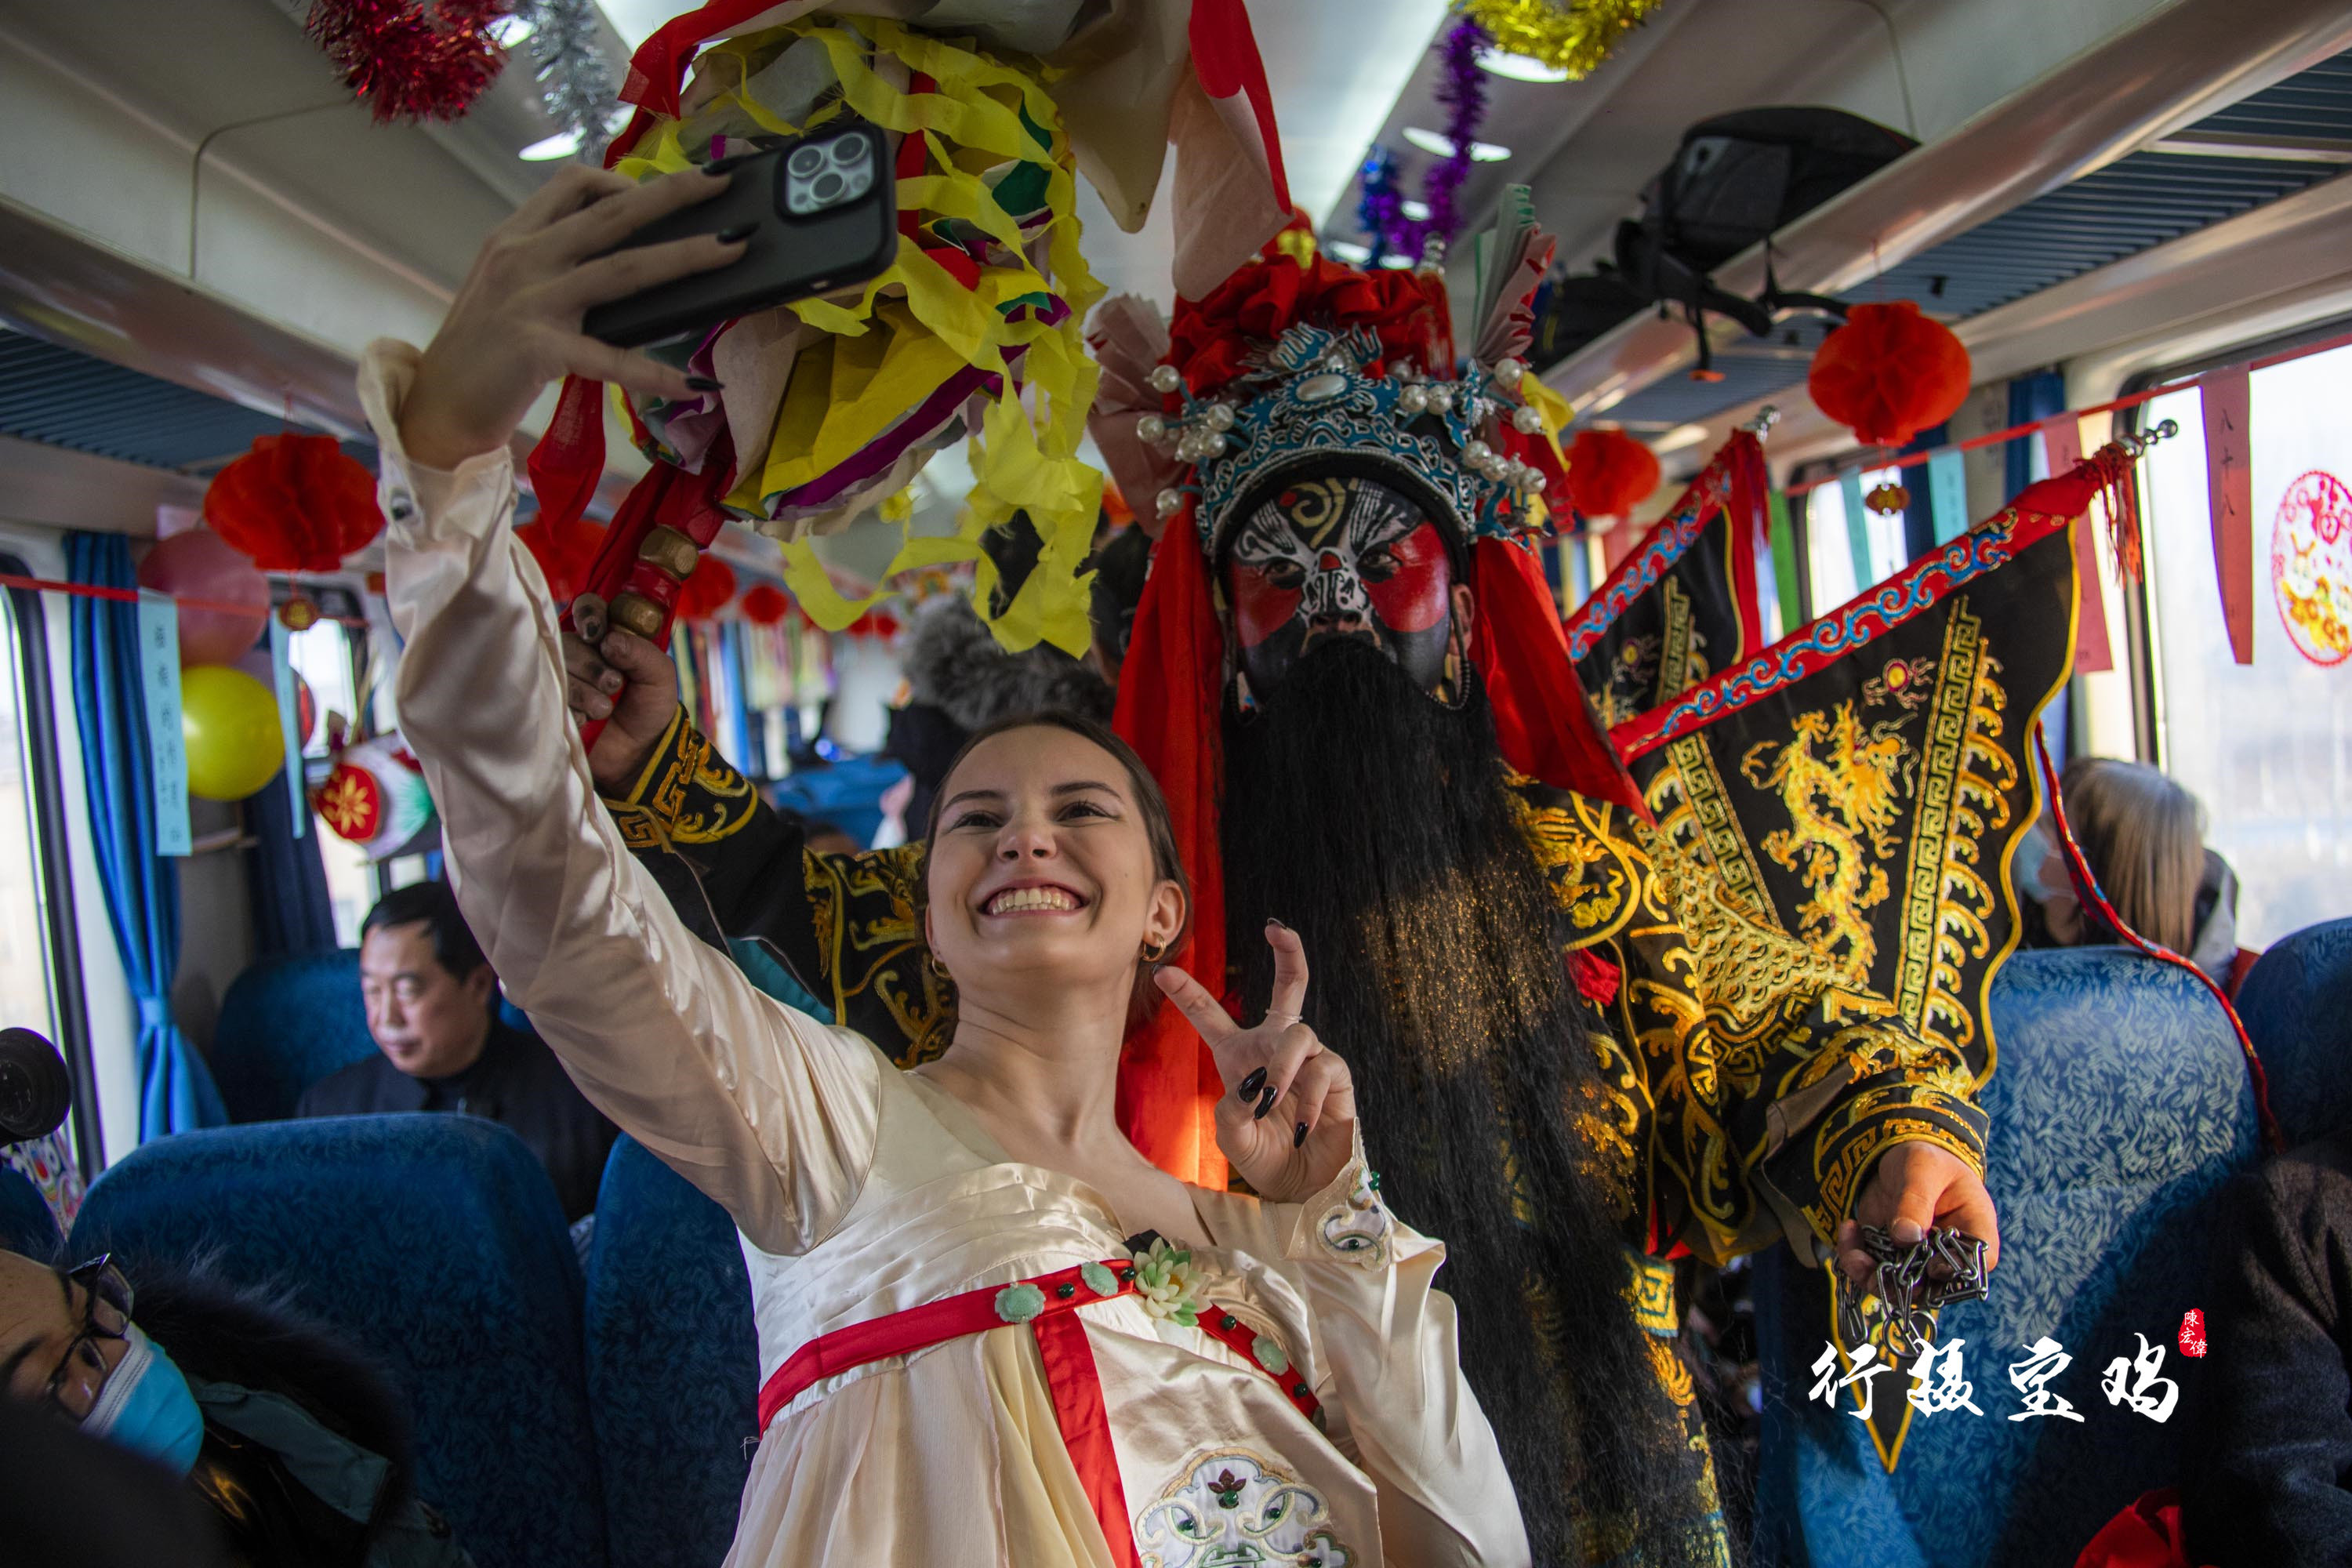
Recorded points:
(1348, 251)
(1417, 211)
(563, 144)
(1518, 67)
(1431, 142)
(1675, 439)
(511, 29)
(1395, 263)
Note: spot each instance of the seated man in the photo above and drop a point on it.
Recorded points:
(432, 1008)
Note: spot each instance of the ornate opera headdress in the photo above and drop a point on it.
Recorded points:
(1299, 364)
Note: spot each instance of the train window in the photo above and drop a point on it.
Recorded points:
(40, 962)
(1834, 572)
(27, 989)
(2267, 747)
(323, 655)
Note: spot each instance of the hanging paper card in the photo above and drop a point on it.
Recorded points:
(167, 753)
(281, 672)
(1857, 528)
(1948, 495)
(2229, 495)
(2061, 445)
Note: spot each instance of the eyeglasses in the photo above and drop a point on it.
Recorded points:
(73, 1388)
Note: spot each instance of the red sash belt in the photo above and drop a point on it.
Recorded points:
(1070, 1375)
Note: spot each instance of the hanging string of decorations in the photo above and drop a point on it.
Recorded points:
(577, 85)
(411, 59)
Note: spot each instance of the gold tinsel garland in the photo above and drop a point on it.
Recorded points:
(1574, 35)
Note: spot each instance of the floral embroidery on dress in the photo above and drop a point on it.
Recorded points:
(1358, 1227)
(1232, 1508)
(1165, 1283)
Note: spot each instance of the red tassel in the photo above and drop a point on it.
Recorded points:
(1169, 696)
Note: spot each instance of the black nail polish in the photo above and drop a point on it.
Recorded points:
(717, 167)
(1298, 1139)
(1276, 923)
(1251, 1085)
(741, 231)
(704, 383)
(1265, 1102)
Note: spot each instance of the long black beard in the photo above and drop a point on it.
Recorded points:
(1377, 825)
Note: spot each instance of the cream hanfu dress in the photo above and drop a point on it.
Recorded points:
(1290, 1395)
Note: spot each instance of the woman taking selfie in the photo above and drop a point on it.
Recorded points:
(990, 1331)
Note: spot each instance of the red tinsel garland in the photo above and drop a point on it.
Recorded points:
(411, 59)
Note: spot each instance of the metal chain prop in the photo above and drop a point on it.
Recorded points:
(1904, 1294)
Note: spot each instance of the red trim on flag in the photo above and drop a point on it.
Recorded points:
(2087, 889)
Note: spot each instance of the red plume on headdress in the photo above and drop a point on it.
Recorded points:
(1211, 341)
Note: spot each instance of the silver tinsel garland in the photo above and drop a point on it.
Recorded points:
(576, 82)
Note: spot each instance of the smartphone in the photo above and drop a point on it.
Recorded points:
(823, 212)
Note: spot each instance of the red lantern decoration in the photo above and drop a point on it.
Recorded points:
(764, 605)
(1889, 373)
(1610, 473)
(563, 561)
(707, 590)
(294, 504)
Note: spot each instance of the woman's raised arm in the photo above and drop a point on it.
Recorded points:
(770, 1113)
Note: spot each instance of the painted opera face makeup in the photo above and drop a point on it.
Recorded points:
(1341, 556)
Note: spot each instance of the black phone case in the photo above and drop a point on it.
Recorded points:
(789, 257)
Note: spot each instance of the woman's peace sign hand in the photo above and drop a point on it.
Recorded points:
(1288, 1121)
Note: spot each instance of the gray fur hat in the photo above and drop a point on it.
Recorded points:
(954, 663)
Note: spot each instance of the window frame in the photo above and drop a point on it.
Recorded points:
(55, 842)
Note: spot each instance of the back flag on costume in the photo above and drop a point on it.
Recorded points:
(1863, 782)
(1682, 604)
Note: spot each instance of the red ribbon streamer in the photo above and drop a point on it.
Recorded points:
(2227, 399)
(2087, 889)
(121, 596)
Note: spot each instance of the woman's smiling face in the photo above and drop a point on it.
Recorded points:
(1042, 868)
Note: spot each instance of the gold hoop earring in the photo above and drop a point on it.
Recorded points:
(1152, 954)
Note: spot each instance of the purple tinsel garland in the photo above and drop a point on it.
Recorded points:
(1380, 213)
(1464, 93)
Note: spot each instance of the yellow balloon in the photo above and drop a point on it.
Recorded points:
(228, 721)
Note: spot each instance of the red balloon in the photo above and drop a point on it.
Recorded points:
(1889, 373)
(1610, 473)
(197, 565)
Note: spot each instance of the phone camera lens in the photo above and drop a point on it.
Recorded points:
(807, 160)
(847, 151)
(827, 188)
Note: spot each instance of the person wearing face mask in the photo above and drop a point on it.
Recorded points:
(293, 1443)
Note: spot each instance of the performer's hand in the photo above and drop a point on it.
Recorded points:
(1294, 1130)
(646, 682)
(1916, 1185)
(515, 324)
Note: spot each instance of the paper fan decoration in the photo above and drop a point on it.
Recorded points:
(376, 796)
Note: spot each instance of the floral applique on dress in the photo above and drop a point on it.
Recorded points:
(1231, 1508)
(1166, 1284)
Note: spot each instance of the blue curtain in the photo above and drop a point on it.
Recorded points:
(292, 912)
(2031, 397)
(142, 888)
(1919, 517)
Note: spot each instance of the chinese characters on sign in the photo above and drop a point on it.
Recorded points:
(167, 756)
(1939, 1381)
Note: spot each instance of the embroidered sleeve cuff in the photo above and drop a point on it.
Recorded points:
(1346, 1222)
(1870, 1121)
(410, 492)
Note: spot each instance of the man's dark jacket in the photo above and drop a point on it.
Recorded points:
(516, 1082)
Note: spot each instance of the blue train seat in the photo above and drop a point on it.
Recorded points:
(2297, 1006)
(287, 1023)
(673, 1363)
(2120, 1105)
(436, 1243)
(27, 1225)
